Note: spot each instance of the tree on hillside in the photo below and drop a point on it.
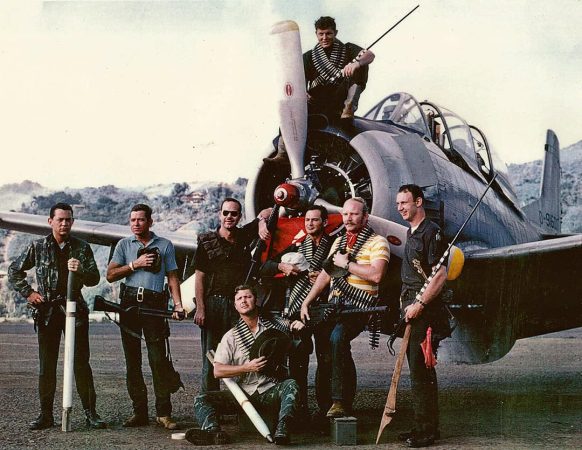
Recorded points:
(41, 204)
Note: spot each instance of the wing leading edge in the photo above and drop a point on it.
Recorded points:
(93, 232)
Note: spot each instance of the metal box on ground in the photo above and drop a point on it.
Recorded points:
(344, 430)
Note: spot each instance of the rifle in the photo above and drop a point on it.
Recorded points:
(39, 310)
(100, 304)
(390, 407)
(436, 268)
(325, 312)
(377, 40)
(259, 246)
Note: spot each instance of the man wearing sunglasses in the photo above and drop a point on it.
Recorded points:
(221, 263)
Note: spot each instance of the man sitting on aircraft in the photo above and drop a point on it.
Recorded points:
(221, 263)
(424, 248)
(54, 257)
(232, 359)
(334, 80)
(145, 260)
(336, 74)
(315, 248)
(363, 255)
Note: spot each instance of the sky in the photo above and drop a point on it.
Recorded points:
(140, 93)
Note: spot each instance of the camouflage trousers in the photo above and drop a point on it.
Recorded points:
(283, 395)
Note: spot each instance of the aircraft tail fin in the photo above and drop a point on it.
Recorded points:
(546, 210)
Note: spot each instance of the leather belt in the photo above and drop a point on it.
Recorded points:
(139, 294)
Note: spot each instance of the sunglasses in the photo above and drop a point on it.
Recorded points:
(230, 213)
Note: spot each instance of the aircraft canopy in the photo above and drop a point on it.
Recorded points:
(402, 109)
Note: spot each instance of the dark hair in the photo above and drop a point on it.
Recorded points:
(63, 206)
(319, 208)
(231, 199)
(145, 208)
(246, 287)
(414, 189)
(325, 22)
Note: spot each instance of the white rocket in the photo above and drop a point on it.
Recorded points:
(245, 403)
(69, 360)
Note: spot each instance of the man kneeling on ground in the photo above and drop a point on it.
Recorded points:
(232, 360)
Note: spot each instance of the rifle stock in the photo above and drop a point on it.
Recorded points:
(390, 407)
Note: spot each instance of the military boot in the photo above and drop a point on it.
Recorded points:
(348, 112)
(339, 409)
(93, 420)
(281, 158)
(136, 420)
(167, 422)
(282, 436)
(43, 421)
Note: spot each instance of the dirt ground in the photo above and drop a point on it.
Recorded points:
(532, 398)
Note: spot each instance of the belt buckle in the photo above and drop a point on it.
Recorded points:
(139, 295)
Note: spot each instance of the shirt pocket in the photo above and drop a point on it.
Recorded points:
(43, 270)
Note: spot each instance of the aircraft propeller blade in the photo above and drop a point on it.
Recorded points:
(290, 82)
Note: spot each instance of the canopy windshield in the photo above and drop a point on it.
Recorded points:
(402, 109)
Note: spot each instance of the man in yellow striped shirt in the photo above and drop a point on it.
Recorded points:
(364, 255)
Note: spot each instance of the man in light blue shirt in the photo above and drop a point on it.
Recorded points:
(145, 260)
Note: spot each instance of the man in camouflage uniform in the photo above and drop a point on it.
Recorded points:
(53, 257)
(232, 360)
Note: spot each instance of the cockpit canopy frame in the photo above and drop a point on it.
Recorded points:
(465, 145)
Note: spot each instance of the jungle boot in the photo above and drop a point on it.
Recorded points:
(281, 158)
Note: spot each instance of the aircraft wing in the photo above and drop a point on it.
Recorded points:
(514, 292)
(93, 232)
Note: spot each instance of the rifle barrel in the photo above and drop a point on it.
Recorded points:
(392, 27)
(447, 251)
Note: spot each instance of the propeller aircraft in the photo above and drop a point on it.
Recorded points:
(519, 272)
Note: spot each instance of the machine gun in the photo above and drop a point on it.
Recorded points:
(325, 312)
(100, 304)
